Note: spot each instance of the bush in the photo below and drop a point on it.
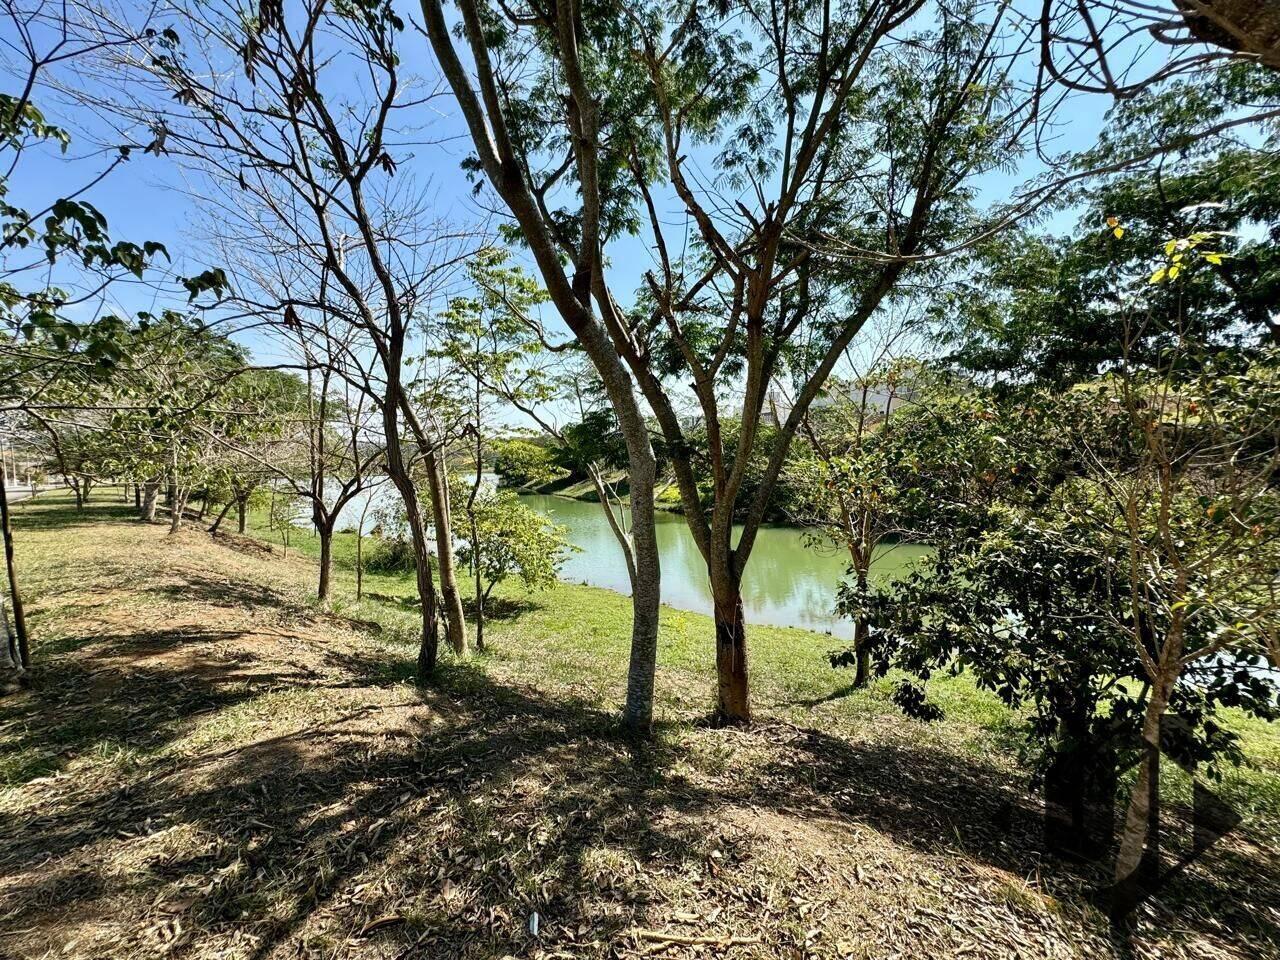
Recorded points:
(392, 555)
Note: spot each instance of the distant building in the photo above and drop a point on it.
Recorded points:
(880, 400)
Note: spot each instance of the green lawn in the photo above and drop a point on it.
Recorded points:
(580, 636)
(203, 739)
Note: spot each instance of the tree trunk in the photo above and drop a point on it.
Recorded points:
(151, 493)
(480, 593)
(1079, 785)
(477, 481)
(360, 561)
(455, 619)
(1138, 859)
(861, 636)
(9, 639)
(733, 690)
(428, 649)
(242, 511)
(137, 497)
(176, 510)
(325, 530)
(11, 568)
(218, 522)
(646, 588)
(126, 493)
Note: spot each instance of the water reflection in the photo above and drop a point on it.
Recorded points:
(787, 583)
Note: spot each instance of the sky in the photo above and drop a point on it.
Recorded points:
(154, 198)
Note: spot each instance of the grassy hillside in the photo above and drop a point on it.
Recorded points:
(210, 766)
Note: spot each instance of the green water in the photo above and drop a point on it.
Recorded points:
(787, 582)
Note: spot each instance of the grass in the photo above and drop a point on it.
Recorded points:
(210, 765)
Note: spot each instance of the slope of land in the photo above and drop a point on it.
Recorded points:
(209, 766)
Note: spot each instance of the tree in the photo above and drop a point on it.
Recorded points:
(1194, 530)
(857, 477)
(509, 539)
(39, 342)
(1053, 311)
(801, 110)
(523, 462)
(1098, 51)
(1031, 591)
(301, 150)
(312, 437)
(496, 341)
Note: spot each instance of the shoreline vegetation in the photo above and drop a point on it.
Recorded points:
(256, 776)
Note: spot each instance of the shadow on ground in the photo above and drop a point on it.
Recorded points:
(437, 822)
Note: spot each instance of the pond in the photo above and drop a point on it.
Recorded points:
(788, 583)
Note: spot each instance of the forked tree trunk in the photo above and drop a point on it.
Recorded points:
(11, 571)
(456, 622)
(429, 644)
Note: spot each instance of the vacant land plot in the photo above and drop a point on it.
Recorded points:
(209, 766)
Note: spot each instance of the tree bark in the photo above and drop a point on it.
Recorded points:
(861, 636)
(572, 299)
(733, 690)
(646, 588)
(455, 619)
(242, 511)
(151, 493)
(1138, 859)
(429, 642)
(11, 569)
(218, 522)
(325, 529)
(176, 510)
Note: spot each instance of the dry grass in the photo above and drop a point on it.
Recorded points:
(212, 768)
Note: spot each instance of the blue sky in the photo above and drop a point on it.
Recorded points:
(152, 198)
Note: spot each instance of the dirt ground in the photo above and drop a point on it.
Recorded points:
(209, 767)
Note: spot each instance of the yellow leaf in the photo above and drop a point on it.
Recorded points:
(1174, 271)
(1118, 232)
(1169, 247)
(1214, 258)
(1159, 275)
